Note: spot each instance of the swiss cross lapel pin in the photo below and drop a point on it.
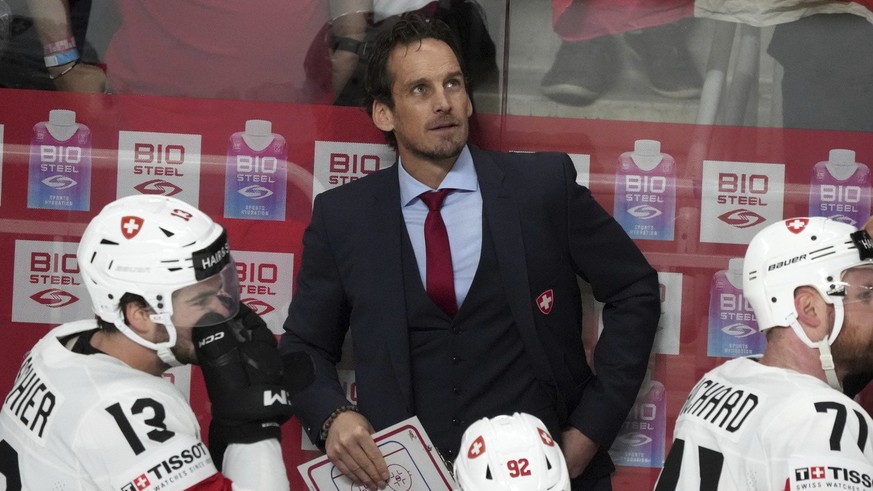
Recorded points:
(130, 226)
(545, 301)
(796, 225)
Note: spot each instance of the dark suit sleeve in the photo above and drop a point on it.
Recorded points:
(317, 323)
(621, 278)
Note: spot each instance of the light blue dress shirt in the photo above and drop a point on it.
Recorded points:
(462, 214)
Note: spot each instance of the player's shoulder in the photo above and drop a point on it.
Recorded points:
(791, 397)
(85, 380)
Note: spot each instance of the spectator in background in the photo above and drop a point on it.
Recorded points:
(22, 65)
(590, 57)
(356, 23)
(828, 68)
(219, 49)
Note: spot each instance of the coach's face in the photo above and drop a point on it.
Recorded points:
(431, 104)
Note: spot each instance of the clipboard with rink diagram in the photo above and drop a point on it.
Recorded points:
(413, 463)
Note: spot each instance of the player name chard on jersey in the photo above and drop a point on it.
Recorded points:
(721, 405)
(747, 426)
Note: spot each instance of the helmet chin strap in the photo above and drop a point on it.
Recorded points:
(163, 350)
(824, 346)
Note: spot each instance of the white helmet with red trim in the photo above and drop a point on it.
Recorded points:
(166, 251)
(803, 251)
(510, 453)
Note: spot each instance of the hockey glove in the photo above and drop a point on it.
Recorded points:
(244, 379)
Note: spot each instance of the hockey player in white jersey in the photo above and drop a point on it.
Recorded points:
(781, 421)
(89, 409)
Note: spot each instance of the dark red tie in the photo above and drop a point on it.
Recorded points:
(440, 279)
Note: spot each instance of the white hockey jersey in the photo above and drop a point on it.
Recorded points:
(89, 422)
(747, 426)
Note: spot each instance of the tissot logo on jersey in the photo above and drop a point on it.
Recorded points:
(174, 469)
(831, 477)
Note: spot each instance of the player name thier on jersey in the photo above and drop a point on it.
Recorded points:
(721, 405)
(31, 401)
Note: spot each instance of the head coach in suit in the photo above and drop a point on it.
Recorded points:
(499, 330)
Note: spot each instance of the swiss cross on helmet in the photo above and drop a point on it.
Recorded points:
(166, 251)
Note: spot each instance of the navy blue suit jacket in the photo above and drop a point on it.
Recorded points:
(546, 230)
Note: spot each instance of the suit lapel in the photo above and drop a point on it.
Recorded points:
(504, 222)
(384, 249)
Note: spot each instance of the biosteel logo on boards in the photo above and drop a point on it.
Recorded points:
(256, 173)
(47, 287)
(265, 280)
(337, 163)
(59, 168)
(739, 199)
(166, 164)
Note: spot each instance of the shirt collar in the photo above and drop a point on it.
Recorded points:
(462, 177)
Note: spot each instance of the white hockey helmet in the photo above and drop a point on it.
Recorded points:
(797, 252)
(166, 251)
(510, 453)
(803, 251)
